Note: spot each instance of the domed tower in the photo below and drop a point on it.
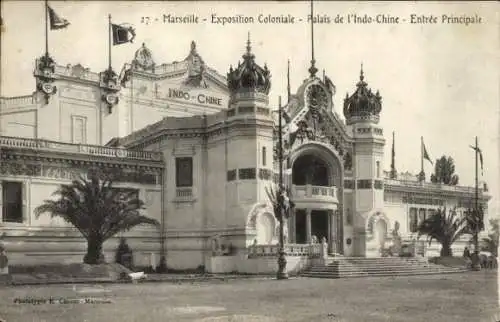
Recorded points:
(249, 141)
(362, 112)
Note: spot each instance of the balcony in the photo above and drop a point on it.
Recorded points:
(314, 195)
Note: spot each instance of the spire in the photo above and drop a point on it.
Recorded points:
(249, 46)
(361, 74)
(312, 69)
(393, 174)
(288, 82)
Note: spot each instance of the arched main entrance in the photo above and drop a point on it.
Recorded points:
(316, 178)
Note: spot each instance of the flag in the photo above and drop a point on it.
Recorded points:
(478, 150)
(56, 22)
(426, 154)
(122, 34)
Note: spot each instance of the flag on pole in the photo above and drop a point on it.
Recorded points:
(478, 150)
(426, 154)
(122, 34)
(56, 22)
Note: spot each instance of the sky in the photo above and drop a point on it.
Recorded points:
(439, 81)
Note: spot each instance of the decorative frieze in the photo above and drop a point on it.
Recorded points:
(348, 184)
(19, 169)
(231, 175)
(8, 168)
(265, 174)
(411, 199)
(364, 184)
(247, 174)
(378, 184)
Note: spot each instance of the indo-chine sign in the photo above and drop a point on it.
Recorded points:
(199, 98)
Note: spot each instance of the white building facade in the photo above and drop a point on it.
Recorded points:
(199, 148)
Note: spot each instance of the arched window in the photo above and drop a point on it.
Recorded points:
(264, 156)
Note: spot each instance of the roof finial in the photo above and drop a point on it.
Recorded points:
(361, 74)
(249, 47)
(312, 69)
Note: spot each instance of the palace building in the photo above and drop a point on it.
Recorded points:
(200, 150)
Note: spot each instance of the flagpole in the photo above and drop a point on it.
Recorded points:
(422, 154)
(288, 82)
(46, 28)
(109, 31)
(477, 183)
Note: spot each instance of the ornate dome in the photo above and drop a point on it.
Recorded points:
(143, 58)
(363, 104)
(249, 76)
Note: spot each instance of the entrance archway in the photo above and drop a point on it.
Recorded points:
(311, 169)
(316, 165)
(380, 233)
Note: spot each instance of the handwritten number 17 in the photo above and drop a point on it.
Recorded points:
(145, 20)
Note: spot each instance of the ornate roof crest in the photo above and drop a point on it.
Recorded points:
(249, 76)
(363, 104)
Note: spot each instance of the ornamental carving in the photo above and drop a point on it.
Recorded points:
(44, 74)
(19, 169)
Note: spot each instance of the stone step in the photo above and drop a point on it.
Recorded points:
(382, 274)
(374, 269)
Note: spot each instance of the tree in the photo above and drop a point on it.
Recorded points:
(444, 171)
(490, 243)
(475, 224)
(445, 227)
(97, 210)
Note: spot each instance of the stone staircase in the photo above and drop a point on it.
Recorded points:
(342, 267)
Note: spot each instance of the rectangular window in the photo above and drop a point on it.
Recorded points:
(79, 130)
(184, 172)
(378, 169)
(413, 220)
(264, 156)
(12, 206)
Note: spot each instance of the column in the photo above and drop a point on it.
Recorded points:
(333, 230)
(308, 226)
(330, 235)
(292, 230)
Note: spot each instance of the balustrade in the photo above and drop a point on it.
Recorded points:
(429, 185)
(310, 191)
(36, 144)
(310, 250)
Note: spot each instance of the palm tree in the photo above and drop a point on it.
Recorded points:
(445, 227)
(490, 243)
(97, 210)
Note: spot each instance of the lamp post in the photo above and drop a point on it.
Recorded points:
(280, 208)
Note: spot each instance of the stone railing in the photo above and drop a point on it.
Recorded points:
(45, 145)
(310, 191)
(429, 185)
(6, 102)
(184, 193)
(309, 250)
(68, 72)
